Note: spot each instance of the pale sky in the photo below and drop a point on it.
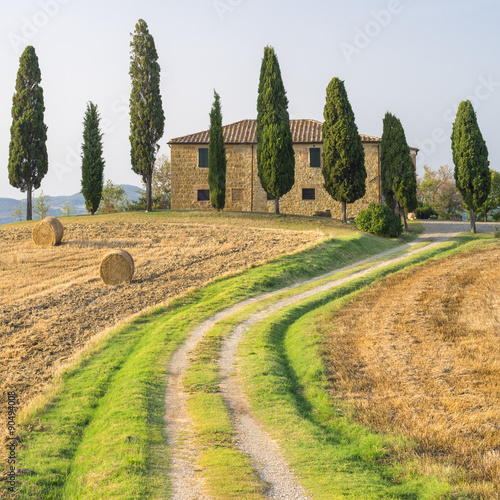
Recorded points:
(415, 58)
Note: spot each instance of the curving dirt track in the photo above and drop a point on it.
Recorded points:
(52, 301)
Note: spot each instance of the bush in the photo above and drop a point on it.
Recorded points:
(426, 211)
(379, 219)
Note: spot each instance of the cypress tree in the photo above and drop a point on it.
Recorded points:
(216, 157)
(28, 160)
(388, 155)
(343, 154)
(470, 156)
(92, 160)
(275, 153)
(399, 179)
(146, 112)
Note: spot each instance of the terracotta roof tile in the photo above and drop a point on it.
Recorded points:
(245, 132)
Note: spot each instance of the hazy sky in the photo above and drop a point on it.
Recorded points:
(415, 58)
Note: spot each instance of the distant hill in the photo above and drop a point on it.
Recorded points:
(7, 205)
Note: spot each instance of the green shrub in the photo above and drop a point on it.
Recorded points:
(380, 220)
(426, 211)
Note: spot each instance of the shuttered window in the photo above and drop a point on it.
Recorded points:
(203, 194)
(315, 157)
(308, 194)
(203, 157)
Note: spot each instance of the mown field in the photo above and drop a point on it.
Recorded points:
(419, 354)
(53, 302)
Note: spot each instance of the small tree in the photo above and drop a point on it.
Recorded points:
(68, 209)
(275, 153)
(438, 189)
(146, 112)
(493, 201)
(113, 199)
(28, 161)
(470, 156)
(92, 160)
(343, 154)
(160, 187)
(18, 212)
(216, 157)
(42, 205)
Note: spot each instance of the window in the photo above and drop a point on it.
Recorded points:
(203, 194)
(315, 157)
(203, 157)
(308, 194)
(238, 194)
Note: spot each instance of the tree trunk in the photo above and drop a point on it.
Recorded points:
(344, 211)
(472, 221)
(149, 204)
(29, 202)
(405, 221)
(276, 205)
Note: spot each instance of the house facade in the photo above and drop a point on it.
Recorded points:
(189, 172)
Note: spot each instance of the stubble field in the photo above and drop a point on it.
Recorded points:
(419, 354)
(52, 301)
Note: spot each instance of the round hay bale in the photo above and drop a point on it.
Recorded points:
(117, 267)
(48, 232)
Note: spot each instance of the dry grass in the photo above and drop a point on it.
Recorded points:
(420, 353)
(53, 302)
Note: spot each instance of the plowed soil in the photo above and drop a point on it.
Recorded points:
(419, 353)
(52, 301)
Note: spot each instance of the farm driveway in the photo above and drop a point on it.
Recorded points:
(251, 437)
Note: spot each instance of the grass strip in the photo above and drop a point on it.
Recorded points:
(228, 473)
(285, 381)
(92, 441)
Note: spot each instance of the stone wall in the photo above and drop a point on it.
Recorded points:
(244, 191)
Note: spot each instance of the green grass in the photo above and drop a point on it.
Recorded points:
(102, 423)
(228, 473)
(284, 378)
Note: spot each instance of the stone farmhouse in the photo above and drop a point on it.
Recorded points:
(189, 164)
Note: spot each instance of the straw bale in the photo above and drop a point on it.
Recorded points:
(117, 267)
(48, 232)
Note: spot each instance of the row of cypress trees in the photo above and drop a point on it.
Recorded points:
(343, 155)
(343, 166)
(28, 159)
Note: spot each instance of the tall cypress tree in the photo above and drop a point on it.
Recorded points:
(92, 160)
(216, 157)
(470, 156)
(146, 112)
(343, 154)
(275, 153)
(28, 161)
(388, 155)
(399, 179)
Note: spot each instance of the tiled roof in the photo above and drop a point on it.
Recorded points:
(245, 132)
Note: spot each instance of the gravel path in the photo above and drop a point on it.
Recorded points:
(252, 438)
